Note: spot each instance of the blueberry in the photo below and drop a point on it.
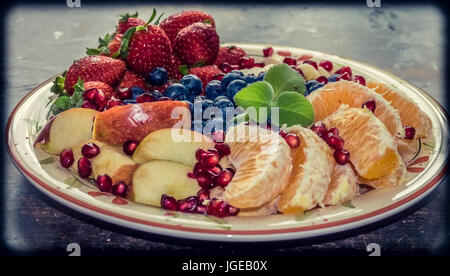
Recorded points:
(156, 94)
(311, 86)
(206, 104)
(234, 87)
(220, 98)
(129, 101)
(178, 92)
(213, 89)
(223, 104)
(333, 78)
(251, 78)
(136, 91)
(199, 98)
(261, 76)
(229, 78)
(193, 84)
(158, 76)
(240, 73)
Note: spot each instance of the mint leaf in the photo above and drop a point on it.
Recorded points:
(294, 109)
(284, 78)
(63, 102)
(79, 86)
(257, 95)
(58, 85)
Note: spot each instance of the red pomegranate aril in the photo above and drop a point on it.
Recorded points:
(100, 100)
(163, 98)
(169, 203)
(217, 207)
(267, 52)
(198, 168)
(283, 133)
(66, 158)
(113, 102)
(145, 98)
(90, 150)
(120, 189)
(210, 160)
(246, 62)
(187, 205)
(320, 129)
(225, 67)
(327, 65)
(90, 105)
(231, 170)
(215, 171)
(259, 64)
(345, 76)
(224, 178)
(410, 132)
(203, 195)
(292, 140)
(104, 183)
(124, 93)
(233, 211)
(201, 209)
(299, 70)
(371, 105)
(360, 79)
(200, 153)
(214, 151)
(312, 63)
(235, 67)
(341, 156)
(345, 69)
(218, 136)
(190, 175)
(205, 180)
(335, 141)
(290, 61)
(334, 131)
(84, 167)
(89, 95)
(223, 149)
(218, 76)
(322, 79)
(129, 147)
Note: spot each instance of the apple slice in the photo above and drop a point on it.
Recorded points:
(66, 130)
(155, 178)
(172, 144)
(111, 161)
(135, 121)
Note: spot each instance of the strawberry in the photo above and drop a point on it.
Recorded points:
(131, 79)
(174, 23)
(114, 44)
(197, 43)
(205, 73)
(101, 86)
(127, 21)
(230, 55)
(108, 46)
(95, 68)
(174, 71)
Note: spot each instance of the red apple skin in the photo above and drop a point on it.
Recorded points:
(135, 121)
(44, 135)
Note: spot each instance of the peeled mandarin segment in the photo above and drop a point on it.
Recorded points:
(313, 165)
(372, 149)
(329, 98)
(343, 186)
(407, 148)
(397, 177)
(263, 166)
(409, 111)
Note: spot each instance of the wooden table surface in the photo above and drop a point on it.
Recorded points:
(44, 40)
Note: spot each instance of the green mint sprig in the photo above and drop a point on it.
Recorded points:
(64, 102)
(283, 88)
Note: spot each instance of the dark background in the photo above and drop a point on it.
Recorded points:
(40, 40)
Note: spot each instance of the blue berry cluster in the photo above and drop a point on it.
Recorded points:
(137, 91)
(313, 85)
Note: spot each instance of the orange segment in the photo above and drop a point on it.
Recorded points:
(313, 164)
(373, 152)
(343, 185)
(397, 177)
(409, 111)
(329, 98)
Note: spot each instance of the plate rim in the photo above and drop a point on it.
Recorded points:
(178, 231)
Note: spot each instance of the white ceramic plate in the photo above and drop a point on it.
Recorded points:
(45, 172)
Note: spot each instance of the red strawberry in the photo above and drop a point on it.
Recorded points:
(128, 21)
(174, 71)
(101, 86)
(230, 55)
(131, 79)
(95, 68)
(107, 46)
(205, 73)
(148, 48)
(197, 43)
(114, 45)
(176, 22)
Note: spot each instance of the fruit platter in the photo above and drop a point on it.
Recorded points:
(165, 129)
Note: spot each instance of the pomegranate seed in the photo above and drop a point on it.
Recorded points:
(129, 147)
(203, 195)
(224, 178)
(289, 61)
(299, 70)
(120, 189)
(205, 180)
(231, 170)
(145, 98)
(283, 133)
(201, 209)
(124, 93)
(66, 158)
(190, 175)
(371, 105)
(327, 65)
(225, 67)
(246, 62)
(235, 67)
(410, 132)
(218, 136)
(214, 151)
(90, 105)
(217, 207)
(292, 140)
(335, 141)
(233, 211)
(169, 203)
(210, 160)
(89, 95)
(198, 168)
(360, 79)
(187, 205)
(334, 131)
(320, 129)
(104, 183)
(90, 150)
(113, 102)
(344, 70)
(341, 156)
(312, 63)
(259, 64)
(223, 149)
(267, 52)
(345, 76)
(322, 79)
(200, 153)
(215, 171)
(218, 76)
(84, 167)
(100, 100)
(163, 98)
